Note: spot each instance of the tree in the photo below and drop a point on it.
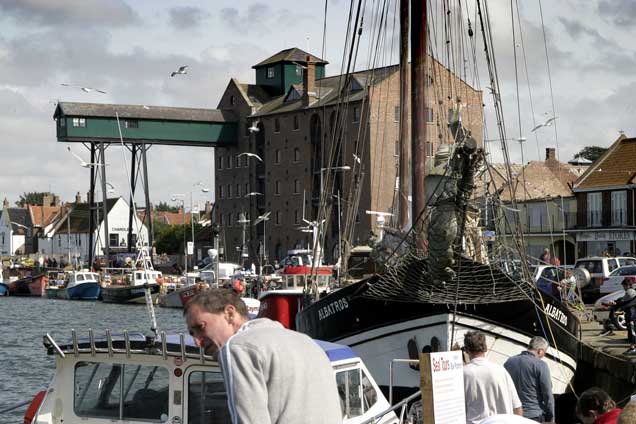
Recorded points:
(165, 207)
(591, 152)
(169, 238)
(32, 198)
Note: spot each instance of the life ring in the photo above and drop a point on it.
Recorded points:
(29, 415)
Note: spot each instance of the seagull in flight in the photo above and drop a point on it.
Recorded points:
(181, 71)
(254, 193)
(547, 123)
(84, 89)
(356, 158)
(82, 162)
(253, 155)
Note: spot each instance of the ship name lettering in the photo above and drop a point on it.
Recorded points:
(556, 314)
(332, 308)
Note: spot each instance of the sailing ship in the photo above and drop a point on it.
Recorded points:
(437, 282)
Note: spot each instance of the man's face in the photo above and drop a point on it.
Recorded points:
(211, 331)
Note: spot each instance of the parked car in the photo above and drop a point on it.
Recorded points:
(613, 282)
(605, 315)
(599, 268)
(545, 276)
(626, 260)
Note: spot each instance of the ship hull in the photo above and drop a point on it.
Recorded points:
(128, 294)
(380, 331)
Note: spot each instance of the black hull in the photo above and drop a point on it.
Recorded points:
(127, 294)
(370, 326)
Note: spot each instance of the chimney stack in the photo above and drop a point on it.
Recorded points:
(309, 82)
(78, 198)
(550, 153)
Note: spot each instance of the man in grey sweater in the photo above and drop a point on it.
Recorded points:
(272, 374)
(532, 380)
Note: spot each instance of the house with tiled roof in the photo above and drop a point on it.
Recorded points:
(69, 234)
(15, 230)
(545, 205)
(606, 220)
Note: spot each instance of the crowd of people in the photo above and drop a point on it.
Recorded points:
(520, 391)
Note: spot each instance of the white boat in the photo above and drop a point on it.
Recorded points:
(135, 379)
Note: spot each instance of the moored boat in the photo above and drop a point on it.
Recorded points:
(282, 300)
(168, 378)
(134, 289)
(177, 298)
(4, 290)
(38, 284)
(80, 285)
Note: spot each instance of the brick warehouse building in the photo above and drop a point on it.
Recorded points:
(296, 110)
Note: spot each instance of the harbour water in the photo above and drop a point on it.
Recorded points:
(25, 368)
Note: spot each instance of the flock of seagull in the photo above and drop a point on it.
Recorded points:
(181, 71)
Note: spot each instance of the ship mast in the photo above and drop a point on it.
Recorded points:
(418, 118)
(403, 168)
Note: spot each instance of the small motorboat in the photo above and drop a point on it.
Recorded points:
(31, 285)
(138, 379)
(4, 290)
(80, 285)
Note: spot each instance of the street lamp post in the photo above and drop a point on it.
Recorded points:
(203, 190)
(175, 198)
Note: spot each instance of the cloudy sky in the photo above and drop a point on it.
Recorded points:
(128, 49)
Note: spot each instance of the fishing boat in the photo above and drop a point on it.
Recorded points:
(80, 285)
(133, 291)
(4, 290)
(32, 285)
(137, 379)
(282, 299)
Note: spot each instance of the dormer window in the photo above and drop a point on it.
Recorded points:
(271, 72)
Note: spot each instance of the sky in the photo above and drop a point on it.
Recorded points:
(129, 48)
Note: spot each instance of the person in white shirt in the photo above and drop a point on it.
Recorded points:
(488, 388)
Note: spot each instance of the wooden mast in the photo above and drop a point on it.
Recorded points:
(418, 118)
(403, 168)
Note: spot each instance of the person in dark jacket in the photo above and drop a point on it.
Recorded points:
(627, 304)
(532, 379)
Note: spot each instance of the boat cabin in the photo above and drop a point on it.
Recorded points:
(140, 277)
(80, 277)
(137, 379)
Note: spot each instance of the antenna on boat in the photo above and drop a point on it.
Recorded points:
(143, 256)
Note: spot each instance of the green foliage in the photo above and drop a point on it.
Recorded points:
(591, 152)
(169, 238)
(32, 198)
(165, 207)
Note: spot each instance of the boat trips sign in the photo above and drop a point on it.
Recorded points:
(442, 381)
